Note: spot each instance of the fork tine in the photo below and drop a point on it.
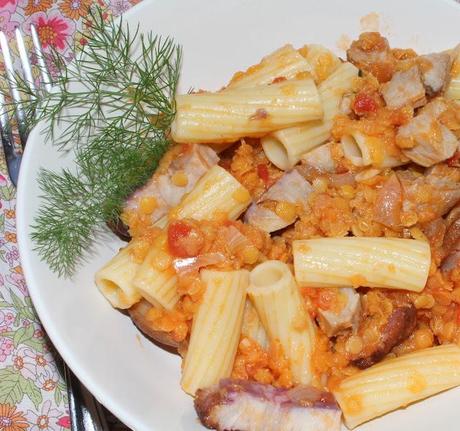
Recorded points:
(20, 116)
(12, 156)
(24, 60)
(46, 79)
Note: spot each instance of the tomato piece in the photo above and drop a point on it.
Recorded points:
(364, 104)
(278, 79)
(263, 173)
(184, 240)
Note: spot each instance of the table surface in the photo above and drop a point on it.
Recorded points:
(32, 389)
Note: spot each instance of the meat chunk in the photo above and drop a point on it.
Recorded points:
(405, 88)
(428, 141)
(372, 53)
(320, 158)
(289, 191)
(139, 314)
(334, 321)
(387, 209)
(399, 325)
(435, 71)
(451, 244)
(240, 405)
(171, 182)
(431, 195)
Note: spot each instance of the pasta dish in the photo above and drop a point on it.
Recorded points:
(299, 244)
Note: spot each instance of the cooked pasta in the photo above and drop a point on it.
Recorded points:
(216, 330)
(115, 279)
(285, 147)
(364, 150)
(374, 262)
(155, 278)
(277, 300)
(252, 326)
(285, 62)
(398, 382)
(322, 61)
(228, 115)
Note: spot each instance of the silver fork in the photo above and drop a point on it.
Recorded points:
(86, 412)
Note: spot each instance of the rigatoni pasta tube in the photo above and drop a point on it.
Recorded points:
(252, 326)
(278, 302)
(366, 150)
(156, 278)
(216, 330)
(229, 115)
(115, 279)
(285, 147)
(323, 62)
(374, 262)
(216, 192)
(397, 382)
(285, 62)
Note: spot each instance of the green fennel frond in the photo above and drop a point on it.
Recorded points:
(112, 107)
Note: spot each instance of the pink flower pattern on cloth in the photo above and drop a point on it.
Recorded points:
(32, 391)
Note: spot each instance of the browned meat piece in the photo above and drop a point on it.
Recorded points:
(432, 195)
(424, 139)
(293, 189)
(404, 88)
(241, 405)
(372, 53)
(400, 324)
(451, 242)
(435, 71)
(139, 315)
(119, 229)
(387, 209)
(435, 231)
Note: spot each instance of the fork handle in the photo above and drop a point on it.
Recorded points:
(86, 412)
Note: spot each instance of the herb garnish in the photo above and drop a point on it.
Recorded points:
(115, 103)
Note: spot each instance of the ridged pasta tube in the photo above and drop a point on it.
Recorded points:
(398, 382)
(394, 263)
(229, 115)
(365, 150)
(285, 147)
(216, 193)
(156, 278)
(115, 279)
(252, 326)
(285, 62)
(323, 62)
(280, 307)
(216, 330)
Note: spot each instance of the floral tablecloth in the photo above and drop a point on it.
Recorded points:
(32, 390)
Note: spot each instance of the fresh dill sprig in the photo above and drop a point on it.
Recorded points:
(113, 107)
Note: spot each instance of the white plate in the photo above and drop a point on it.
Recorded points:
(137, 381)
